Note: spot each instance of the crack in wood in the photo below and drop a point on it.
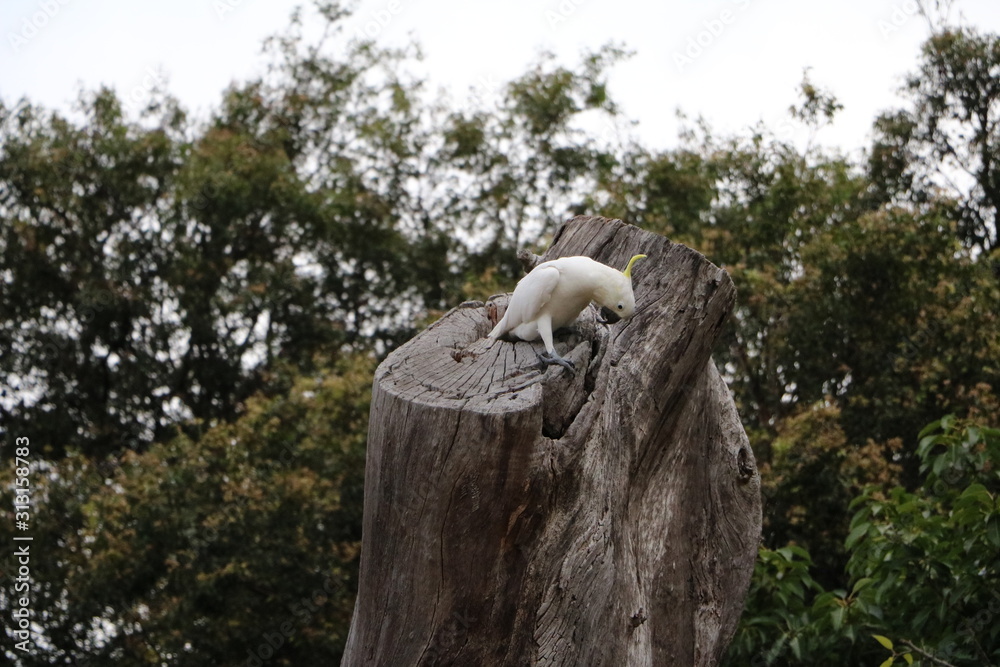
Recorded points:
(616, 511)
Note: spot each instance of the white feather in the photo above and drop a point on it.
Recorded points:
(554, 294)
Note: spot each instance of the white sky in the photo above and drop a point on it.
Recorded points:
(752, 52)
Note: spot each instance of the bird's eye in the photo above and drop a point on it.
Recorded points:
(621, 307)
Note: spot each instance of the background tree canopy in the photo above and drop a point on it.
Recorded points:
(192, 310)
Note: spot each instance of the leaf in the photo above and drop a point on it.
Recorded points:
(993, 530)
(977, 490)
(930, 428)
(908, 657)
(927, 443)
(939, 464)
(976, 496)
(857, 533)
(884, 641)
(798, 551)
(888, 661)
(838, 617)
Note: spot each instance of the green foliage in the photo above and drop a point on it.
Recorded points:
(953, 120)
(511, 175)
(192, 308)
(869, 310)
(924, 581)
(791, 620)
(933, 552)
(778, 601)
(200, 552)
(928, 295)
(810, 481)
(81, 272)
(157, 268)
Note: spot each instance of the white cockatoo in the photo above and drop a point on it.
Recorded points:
(553, 295)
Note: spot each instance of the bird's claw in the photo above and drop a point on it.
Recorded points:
(545, 360)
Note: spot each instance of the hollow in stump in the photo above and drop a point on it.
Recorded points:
(518, 517)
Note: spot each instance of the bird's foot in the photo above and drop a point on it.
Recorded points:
(545, 360)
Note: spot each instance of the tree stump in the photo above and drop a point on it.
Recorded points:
(519, 518)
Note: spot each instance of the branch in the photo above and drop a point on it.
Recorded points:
(936, 18)
(913, 647)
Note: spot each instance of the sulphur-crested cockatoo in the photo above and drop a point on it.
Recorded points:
(554, 293)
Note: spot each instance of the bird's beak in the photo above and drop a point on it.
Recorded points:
(608, 316)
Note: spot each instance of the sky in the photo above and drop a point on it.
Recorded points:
(733, 62)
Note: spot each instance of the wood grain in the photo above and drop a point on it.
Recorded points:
(520, 518)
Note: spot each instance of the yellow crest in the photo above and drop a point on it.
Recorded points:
(631, 263)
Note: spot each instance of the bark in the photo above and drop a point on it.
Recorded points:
(519, 518)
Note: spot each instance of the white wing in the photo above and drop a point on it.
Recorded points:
(529, 297)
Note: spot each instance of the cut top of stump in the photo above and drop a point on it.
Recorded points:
(609, 516)
(682, 301)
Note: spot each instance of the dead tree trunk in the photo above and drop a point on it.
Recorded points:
(514, 518)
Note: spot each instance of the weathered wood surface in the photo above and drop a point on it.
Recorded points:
(514, 518)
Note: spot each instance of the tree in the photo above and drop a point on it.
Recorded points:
(80, 257)
(915, 590)
(164, 276)
(750, 203)
(944, 592)
(948, 140)
(158, 267)
(810, 481)
(514, 517)
(509, 176)
(238, 546)
(154, 279)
